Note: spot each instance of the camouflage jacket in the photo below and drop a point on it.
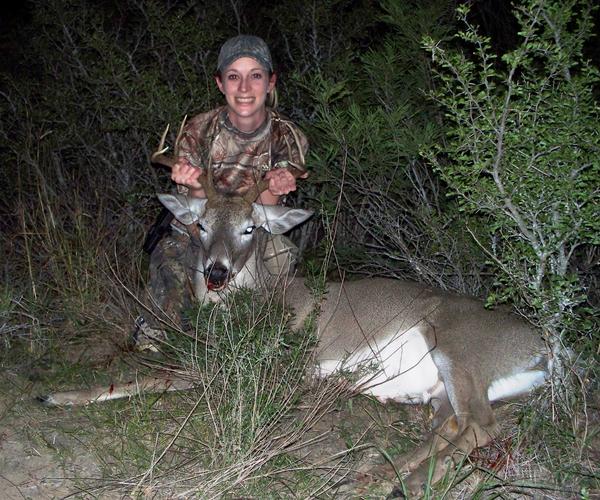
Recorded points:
(238, 159)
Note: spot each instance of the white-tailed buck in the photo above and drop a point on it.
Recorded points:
(411, 343)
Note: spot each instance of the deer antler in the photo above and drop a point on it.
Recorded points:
(206, 179)
(159, 155)
(161, 158)
(255, 190)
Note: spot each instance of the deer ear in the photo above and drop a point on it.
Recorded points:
(186, 210)
(279, 220)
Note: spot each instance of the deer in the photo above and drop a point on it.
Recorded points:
(407, 342)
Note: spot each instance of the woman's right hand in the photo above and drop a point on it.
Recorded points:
(185, 174)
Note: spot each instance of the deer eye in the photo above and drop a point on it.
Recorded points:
(201, 227)
(249, 229)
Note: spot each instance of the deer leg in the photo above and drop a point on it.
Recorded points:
(115, 391)
(445, 430)
(472, 437)
(471, 424)
(445, 446)
(170, 291)
(463, 420)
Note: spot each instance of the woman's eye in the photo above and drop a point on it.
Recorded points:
(232, 76)
(249, 229)
(257, 76)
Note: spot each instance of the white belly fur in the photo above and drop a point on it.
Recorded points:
(398, 367)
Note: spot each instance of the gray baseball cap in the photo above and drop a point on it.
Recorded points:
(244, 46)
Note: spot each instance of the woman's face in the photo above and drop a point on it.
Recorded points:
(245, 84)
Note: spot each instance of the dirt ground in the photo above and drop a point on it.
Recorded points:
(38, 461)
(44, 454)
(52, 453)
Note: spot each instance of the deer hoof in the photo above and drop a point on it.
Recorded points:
(48, 400)
(146, 338)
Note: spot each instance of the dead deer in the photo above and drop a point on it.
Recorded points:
(407, 342)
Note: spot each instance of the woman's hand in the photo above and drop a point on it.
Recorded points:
(281, 181)
(185, 174)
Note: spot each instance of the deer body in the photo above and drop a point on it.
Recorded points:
(413, 344)
(412, 333)
(406, 342)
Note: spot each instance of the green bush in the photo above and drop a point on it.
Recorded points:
(522, 156)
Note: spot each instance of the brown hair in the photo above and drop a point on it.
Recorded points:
(272, 99)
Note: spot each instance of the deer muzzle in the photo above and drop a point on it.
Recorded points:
(216, 277)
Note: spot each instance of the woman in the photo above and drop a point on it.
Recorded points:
(245, 138)
(242, 141)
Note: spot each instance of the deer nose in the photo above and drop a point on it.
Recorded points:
(216, 276)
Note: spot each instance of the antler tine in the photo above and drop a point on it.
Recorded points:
(206, 179)
(159, 155)
(179, 134)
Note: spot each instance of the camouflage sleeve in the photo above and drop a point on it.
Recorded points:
(289, 146)
(194, 142)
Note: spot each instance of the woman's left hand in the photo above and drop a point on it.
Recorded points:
(281, 181)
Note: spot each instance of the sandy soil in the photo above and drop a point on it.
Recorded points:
(40, 454)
